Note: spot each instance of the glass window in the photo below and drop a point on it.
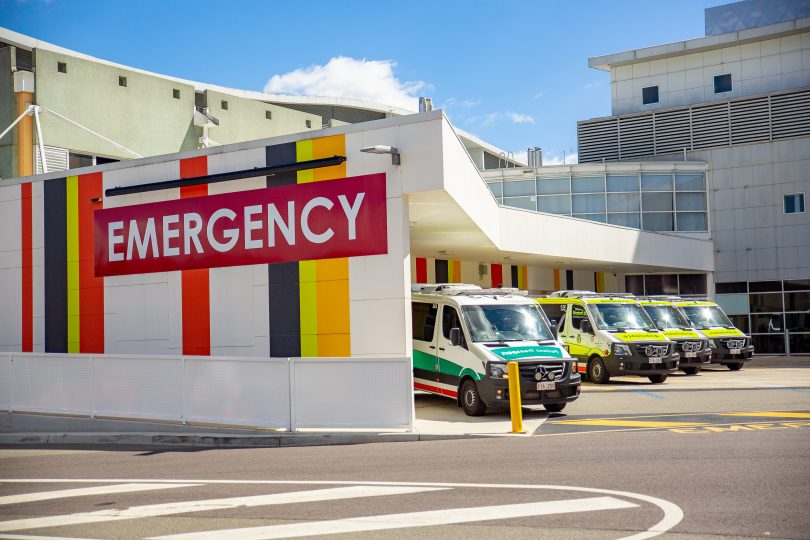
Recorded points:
(798, 322)
(79, 160)
(450, 320)
(690, 182)
(794, 203)
(799, 343)
(588, 204)
(622, 183)
(656, 182)
(797, 301)
(692, 283)
(553, 186)
(623, 202)
(734, 287)
(625, 220)
(495, 188)
(588, 184)
(656, 202)
(765, 303)
(769, 344)
(516, 189)
(658, 221)
(577, 316)
(695, 202)
(797, 285)
(558, 204)
(592, 217)
(722, 83)
(519, 322)
(634, 285)
(521, 202)
(740, 321)
(767, 324)
(661, 284)
(765, 286)
(424, 320)
(733, 303)
(649, 95)
(692, 221)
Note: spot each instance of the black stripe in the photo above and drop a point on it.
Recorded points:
(442, 276)
(569, 280)
(56, 298)
(444, 378)
(282, 278)
(515, 276)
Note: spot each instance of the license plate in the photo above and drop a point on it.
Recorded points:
(734, 351)
(546, 385)
(691, 355)
(655, 360)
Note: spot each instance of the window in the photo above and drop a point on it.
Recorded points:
(649, 95)
(175, 93)
(794, 203)
(424, 320)
(577, 316)
(309, 124)
(268, 115)
(61, 67)
(722, 83)
(450, 320)
(224, 105)
(122, 81)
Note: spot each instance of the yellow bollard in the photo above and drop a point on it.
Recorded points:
(514, 397)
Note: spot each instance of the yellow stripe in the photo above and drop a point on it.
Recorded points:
(73, 263)
(303, 152)
(628, 423)
(769, 414)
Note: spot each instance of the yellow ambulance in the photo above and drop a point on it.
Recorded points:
(730, 346)
(693, 348)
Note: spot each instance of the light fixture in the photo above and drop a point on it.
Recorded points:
(383, 149)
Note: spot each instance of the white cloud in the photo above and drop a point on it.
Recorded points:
(342, 76)
(484, 120)
(520, 118)
(522, 156)
(538, 95)
(557, 159)
(469, 103)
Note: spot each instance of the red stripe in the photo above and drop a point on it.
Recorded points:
(434, 389)
(195, 284)
(496, 273)
(421, 270)
(26, 207)
(91, 288)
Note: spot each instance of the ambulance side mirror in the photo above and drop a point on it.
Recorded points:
(586, 327)
(455, 336)
(554, 328)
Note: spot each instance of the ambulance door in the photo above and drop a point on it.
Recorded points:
(453, 358)
(579, 342)
(425, 338)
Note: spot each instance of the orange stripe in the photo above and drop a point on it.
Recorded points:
(456, 272)
(26, 207)
(556, 279)
(91, 288)
(196, 297)
(524, 276)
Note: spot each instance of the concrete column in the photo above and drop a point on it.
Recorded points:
(24, 88)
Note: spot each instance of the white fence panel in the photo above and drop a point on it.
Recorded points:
(52, 383)
(238, 391)
(352, 393)
(5, 382)
(129, 386)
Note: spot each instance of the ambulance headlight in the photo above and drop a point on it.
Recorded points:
(620, 349)
(497, 371)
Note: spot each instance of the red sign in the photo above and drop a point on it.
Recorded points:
(319, 220)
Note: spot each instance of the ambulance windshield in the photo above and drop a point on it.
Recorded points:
(620, 317)
(666, 317)
(506, 323)
(707, 316)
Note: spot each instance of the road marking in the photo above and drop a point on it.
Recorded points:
(648, 393)
(626, 423)
(768, 414)
(155, 510)
(83, 492)
(408, 520)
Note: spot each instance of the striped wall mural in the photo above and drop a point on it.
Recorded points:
(74, 297)
(27, 285)
(599, 281)
(496, 275)
(448, 271)
(421, 270)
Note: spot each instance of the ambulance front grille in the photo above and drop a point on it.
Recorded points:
(528, 370)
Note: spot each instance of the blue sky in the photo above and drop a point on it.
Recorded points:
(515, 73)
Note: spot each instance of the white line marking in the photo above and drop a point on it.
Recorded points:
(82, 492)
(154, 510)
(29, 537)
(412, 519)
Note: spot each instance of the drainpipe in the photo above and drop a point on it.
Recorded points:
(24, 88)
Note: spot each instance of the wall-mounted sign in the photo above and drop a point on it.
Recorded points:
(319, 220)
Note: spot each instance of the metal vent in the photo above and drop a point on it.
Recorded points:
(750, 121)
(329, 112)
(598, 140)
(200, 100)
(672, 131)
(637, 137)
(710, 126)
(25, 59)
(790, 115)
(56, 158)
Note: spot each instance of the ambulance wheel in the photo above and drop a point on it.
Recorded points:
(735, 366)
(597, 372)
(691, 370)
(471, 400)
(657, 379)
(554, 407)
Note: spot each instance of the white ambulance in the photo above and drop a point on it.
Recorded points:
(463, 337)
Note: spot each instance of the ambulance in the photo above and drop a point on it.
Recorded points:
(730, 346)
(610, 335)
(693, 348)
(464, 336)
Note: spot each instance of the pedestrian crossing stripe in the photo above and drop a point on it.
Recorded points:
(768, 414)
